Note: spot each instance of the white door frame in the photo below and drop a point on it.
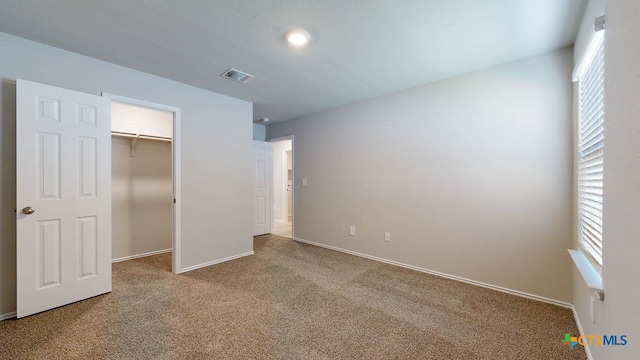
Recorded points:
(175, 149)
(293, 181)
(285, 176)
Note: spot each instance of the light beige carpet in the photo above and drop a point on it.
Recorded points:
(291, 301)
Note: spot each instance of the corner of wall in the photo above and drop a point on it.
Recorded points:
(259, 132)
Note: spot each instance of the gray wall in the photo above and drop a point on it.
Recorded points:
(472, 176)
(141, 197)
(259, 132)
(619, 314)
(216, 150)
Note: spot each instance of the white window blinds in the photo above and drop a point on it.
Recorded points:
(591, 151)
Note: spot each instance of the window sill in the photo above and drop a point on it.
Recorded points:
(589, 274)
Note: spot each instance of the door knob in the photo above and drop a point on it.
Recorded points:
(28, 210)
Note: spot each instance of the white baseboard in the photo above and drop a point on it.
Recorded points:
(194, 267)
(581, 331)
(440, 274)
(8, 316)
(157, 252)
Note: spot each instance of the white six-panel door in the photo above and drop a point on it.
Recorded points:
(262, 161)
(63, 141)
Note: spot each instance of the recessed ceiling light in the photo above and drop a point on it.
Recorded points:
(297, 37)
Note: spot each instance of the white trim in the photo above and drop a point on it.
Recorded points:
(293, 181)
(138, 102)
(440, 274)
(6, 316)
(214, 262)
(177, 220)
(175, 148)
(588, 272)
(150, 253)
(285, 180)
(581, 331)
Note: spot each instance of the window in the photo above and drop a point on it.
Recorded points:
(590, 77)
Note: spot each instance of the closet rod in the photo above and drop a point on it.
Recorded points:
(139, 136)
(134, 139)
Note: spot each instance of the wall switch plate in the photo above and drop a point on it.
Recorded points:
(387, 236)
(352, 230)
(304, 181)
(592, 309)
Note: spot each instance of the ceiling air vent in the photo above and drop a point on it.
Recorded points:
(236, 75)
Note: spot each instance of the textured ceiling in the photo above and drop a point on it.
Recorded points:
(359, 48)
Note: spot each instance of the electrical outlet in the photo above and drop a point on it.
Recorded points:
(352, 230)
(304, 181)
(387, 236)
(592, 309)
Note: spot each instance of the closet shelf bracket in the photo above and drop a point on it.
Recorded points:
(134, 142)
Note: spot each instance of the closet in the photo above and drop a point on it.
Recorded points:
(142, 183)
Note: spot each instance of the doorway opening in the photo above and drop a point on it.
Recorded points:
(145, 177)
(283, 186)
